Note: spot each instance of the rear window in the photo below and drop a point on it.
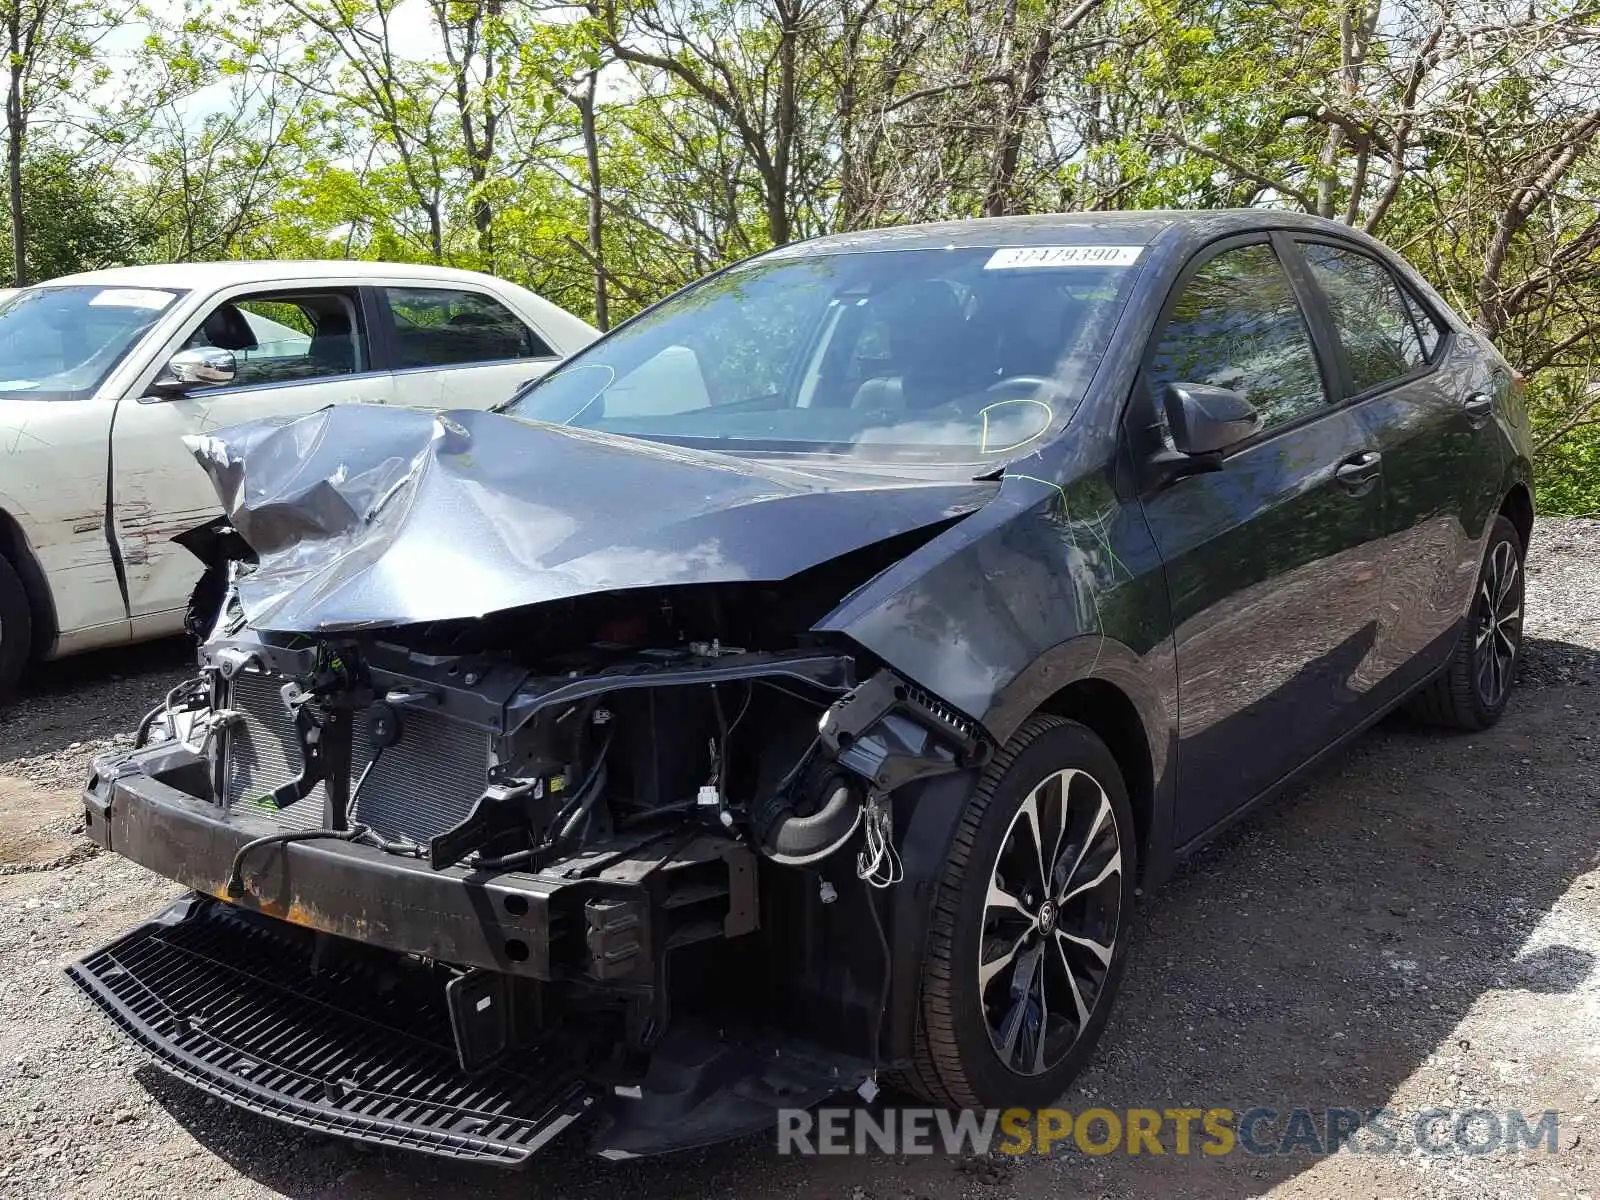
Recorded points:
(1375, 324)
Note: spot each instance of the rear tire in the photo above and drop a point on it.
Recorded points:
(1472, 692)
(1021, 971)
(16, 627)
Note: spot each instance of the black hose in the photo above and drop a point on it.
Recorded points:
(566, 810)
(186, 688)
(405, 849)
(577, 818)
(888, 969)
(722, 746)
(566, 818)
(652, 814)
(143, 732)
(355, 792)
(517, 858)
(800, 764)
(235, 884)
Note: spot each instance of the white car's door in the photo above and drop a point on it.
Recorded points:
(53, 492)
(458, 347)
(297, 348)
(58, 346)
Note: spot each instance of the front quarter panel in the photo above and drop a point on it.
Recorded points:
(1044, 585)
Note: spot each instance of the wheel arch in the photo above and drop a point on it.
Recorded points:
(1517, 507)
(19, 553)
(1111, 715)
(1126, 698)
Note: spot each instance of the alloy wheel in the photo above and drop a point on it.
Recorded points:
(1499, 623)
(1050, 923)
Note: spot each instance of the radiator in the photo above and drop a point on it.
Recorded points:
(420, 786)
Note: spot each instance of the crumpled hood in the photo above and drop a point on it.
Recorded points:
(364, 515)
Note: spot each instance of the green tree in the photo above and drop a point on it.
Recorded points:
(78, 219)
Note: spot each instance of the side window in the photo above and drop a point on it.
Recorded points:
(441, 327)
(1238, 325)
(1427, 328)
(281, 338)
(1372, 318)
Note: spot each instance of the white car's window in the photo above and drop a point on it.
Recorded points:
(60, 343)
(278, 338)
(443, 327)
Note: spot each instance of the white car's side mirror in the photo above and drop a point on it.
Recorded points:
(205, 366)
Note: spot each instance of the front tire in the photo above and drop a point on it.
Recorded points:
(1472, 692)
(1029, 929)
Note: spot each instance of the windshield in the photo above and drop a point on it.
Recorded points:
(59, 343)
(954, 356)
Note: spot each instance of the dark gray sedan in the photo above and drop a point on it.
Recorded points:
(794, 688)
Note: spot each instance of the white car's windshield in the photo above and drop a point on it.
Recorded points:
(954, 356)
(59, 343)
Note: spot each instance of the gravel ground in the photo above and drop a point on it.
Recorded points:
(1415, 928)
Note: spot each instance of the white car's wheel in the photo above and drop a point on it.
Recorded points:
(16, 626)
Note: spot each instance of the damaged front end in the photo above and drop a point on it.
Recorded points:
(629, 855)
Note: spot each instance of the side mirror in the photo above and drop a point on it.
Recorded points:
(1207, 420)
(204, 366)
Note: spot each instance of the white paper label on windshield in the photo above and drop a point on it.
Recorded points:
(1063, 256)
(132, 298)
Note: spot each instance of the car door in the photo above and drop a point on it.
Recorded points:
(52, 507)
(1268, 559)
(295, 348)
(60, 348)
(1425, 398)
(458, 347)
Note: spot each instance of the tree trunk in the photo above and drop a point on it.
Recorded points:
(1001, 199)
(16, 133)
(591, 153)
(477, 33)
(778, 226)
(435, 230)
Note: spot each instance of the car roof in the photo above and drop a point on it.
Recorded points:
(1133, 228)
(224, 274)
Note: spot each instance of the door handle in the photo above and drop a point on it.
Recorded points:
(1478, 406)
(1359, 470)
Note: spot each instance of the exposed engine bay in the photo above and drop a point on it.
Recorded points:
(633, 853)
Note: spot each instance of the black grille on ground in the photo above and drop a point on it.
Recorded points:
(422, 785)
(230, 1004)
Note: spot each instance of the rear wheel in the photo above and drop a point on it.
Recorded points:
(1029, 927)
(1472, 692)
(16, 627)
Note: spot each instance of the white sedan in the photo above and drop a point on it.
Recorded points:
(102, 373)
